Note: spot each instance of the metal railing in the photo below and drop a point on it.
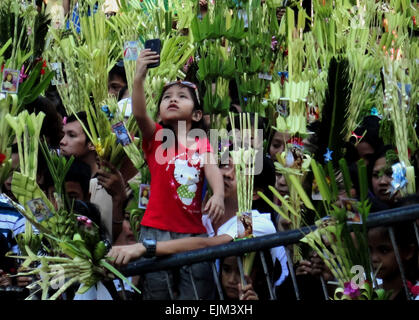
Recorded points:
(238, 248)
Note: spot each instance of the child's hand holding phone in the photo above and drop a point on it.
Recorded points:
(145, 58)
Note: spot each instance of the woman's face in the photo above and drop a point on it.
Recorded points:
(9, 77)
(381, 181)
(278, 144)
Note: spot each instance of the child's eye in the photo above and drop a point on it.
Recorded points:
(384, 249)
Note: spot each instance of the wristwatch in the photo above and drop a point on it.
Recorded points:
(150, 247)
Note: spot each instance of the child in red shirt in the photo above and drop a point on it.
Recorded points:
(177, 163)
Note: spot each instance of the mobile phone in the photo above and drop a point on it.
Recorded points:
(153, 45)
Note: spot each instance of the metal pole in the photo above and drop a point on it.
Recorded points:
(217, 280)
(268, 280)
(169, 287)
(189, 268)
(399, 261)
(324, 287)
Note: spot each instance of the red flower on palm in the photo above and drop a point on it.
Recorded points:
(2, 158)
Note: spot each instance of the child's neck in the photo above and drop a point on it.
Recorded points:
(181, 130)
(395, 285)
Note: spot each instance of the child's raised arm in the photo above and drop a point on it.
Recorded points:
(215, 205)
(139, 108)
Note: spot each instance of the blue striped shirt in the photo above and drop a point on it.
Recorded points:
(11, 223)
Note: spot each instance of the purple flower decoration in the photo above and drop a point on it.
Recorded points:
(328, 155)
(22, 74)
(351, 290)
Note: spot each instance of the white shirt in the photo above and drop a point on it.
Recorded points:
(262, 226)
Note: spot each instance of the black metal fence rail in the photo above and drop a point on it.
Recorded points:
(238, 248)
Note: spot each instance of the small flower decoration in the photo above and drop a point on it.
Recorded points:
(283, 75)
(2, 158)
(44, 65)
(64, 120)
(22, 74)
(328, 155)
(85, 221)
(414, 289)
(108, 113)
(296, 141)
(351, 290)
(374, 112)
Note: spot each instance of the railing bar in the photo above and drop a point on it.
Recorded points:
(292, 273)
(399, 261)
(326, 294)
(217, 280)
(169, 287)
(124, 295)
(268, 280)
(269, 241)
(415, 226)
(189, 268)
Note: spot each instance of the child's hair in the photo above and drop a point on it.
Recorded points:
(370, 129)
(91, 211)
(118, 70)
(122, 92)
(80, 172)
(52, 125)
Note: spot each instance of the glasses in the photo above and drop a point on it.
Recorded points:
(186, 84)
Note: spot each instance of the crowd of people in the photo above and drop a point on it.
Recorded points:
(193, 199)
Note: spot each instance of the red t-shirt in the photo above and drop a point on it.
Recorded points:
(176, 185)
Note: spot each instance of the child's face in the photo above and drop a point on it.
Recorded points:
(177, 104)
(230, 277)
(382, 253)
(9, 77)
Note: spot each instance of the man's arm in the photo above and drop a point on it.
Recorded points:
(122, 255)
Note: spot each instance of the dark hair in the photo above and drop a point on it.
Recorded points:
(80, 172)
(122, 92)
(371, 126)
(118, 70)
(83, 118)
(262, 181)
(52, 127)
(91, 211)
(52, 94)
